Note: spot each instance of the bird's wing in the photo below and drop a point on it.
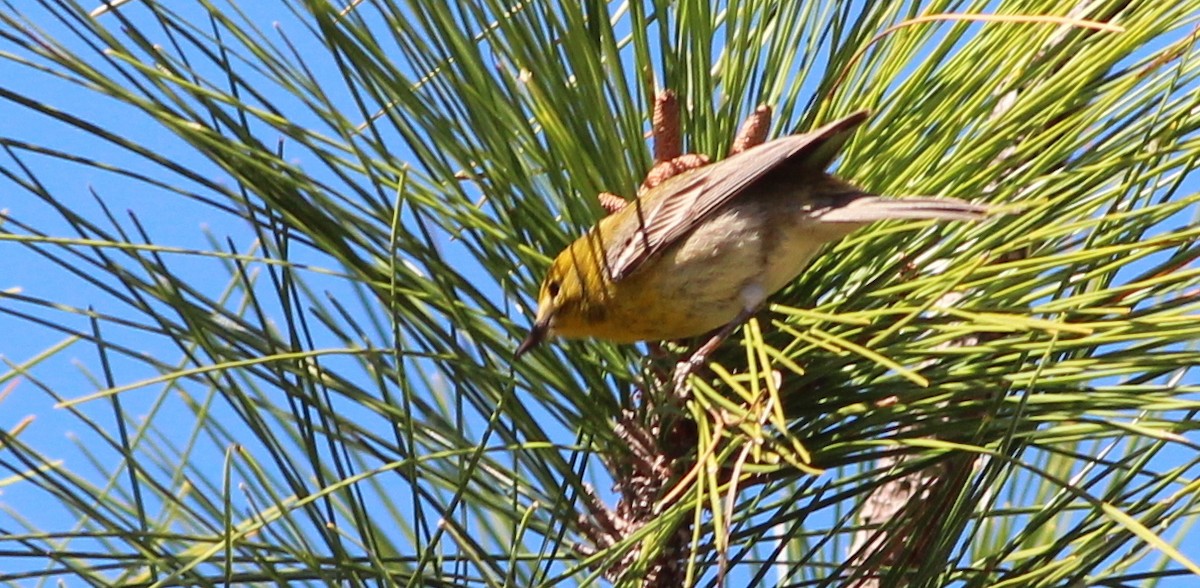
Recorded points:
(672, 209)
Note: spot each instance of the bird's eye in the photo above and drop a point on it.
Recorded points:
(552, 288)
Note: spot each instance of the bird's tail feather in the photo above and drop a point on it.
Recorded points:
(866, 208)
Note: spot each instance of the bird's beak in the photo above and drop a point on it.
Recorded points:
(536, 334)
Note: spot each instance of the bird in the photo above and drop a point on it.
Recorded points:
(706, 248)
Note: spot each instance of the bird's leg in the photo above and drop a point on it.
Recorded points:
(698, 357)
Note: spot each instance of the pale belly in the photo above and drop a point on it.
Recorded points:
(708, 278)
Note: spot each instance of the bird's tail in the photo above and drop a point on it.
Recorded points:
(866, 208)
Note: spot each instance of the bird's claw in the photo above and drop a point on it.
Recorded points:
(684, 369)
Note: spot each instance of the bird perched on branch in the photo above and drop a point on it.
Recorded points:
(705, 248)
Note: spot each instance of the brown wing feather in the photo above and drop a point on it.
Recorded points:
(675, 207)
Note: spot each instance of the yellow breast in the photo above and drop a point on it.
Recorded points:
(728, 264)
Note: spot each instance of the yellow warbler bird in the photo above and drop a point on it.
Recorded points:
(708, 246)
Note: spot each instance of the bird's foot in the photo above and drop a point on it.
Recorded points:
(684, 369)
